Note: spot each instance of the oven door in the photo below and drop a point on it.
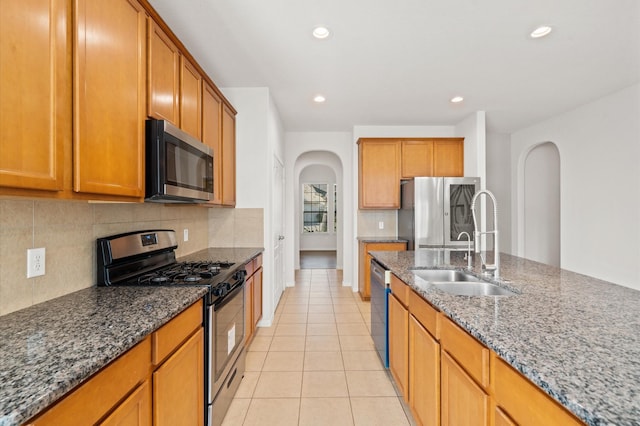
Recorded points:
(226, 336)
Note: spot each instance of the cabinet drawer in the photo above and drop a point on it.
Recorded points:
(176, 331)
(523, 401)
(249, 267)
(469, 353)
(257, 262)
(426, 314)
(101, 393)
(400, 290)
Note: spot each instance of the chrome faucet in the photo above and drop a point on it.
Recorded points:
(468, 247)
(495, 267)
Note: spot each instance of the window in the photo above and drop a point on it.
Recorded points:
(335, 207)
(315, 207)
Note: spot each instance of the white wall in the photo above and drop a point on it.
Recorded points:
(316, 173)
(542, 204)
(498, 157)
(599, 146)
(334, 150)
(259, 138)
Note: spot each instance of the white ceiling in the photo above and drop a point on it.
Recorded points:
(398, 62)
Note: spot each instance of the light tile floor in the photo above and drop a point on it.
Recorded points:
(316, 365)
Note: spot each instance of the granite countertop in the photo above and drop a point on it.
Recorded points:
(48, 349)
(381, 240)
(576, 337)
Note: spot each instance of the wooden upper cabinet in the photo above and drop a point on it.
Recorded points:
(163, 76)
(109, 97)
(417, 159)
(448, 157)
(228, 156)
(379, 177)
(190, 99)
(35, 93)
(212, 135)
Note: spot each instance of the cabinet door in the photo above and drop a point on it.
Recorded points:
(35, 129)
(212, 135)
(463, 402)
(228, 156)
(163, 75)
(248, 311)
(417, 159)
(501, 418)
(379, 177)
(178, 385)
(399, 345)
(190, 99)
(257, 297)
(424, 375)
(448, 158)
(110, 97)
(134, 411)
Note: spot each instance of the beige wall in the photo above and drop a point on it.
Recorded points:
(68, 230)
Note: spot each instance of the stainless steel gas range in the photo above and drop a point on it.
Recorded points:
(147, 258)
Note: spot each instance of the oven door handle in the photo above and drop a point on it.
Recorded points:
(239, 286)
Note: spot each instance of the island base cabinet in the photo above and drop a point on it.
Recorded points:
(520, 400)
(178, 387)
(424, 375)
(398, 344)
(463, 402)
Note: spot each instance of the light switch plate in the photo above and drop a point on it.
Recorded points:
(35, 262)
(380, 225)
(185, 235)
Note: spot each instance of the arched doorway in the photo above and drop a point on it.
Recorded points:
(542, 204)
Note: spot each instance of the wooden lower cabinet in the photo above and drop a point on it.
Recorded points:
(134, 411)
(364, 276)
(449, 378)
(462, 401)
(424, 375)
(519, 399)
(398, 344)
(159, 381)
(178, 385)
(252, 297)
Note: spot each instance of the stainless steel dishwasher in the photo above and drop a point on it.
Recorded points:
(380, 280)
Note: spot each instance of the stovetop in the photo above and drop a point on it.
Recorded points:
(203, 273)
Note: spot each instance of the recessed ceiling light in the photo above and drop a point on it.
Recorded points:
(540, 32)
(457, 99)
(321, 32)
(319, 99)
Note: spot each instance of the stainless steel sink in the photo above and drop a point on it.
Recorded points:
(444, 275)
(460, 283)
(467, 288)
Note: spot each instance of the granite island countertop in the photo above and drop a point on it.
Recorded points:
(576, 337)
(48, 349)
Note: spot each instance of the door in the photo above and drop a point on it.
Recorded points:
(277, 220)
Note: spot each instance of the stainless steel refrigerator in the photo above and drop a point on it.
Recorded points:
(435, 210)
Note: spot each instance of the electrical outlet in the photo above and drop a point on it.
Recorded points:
(380, 225)
(35, 262)
(186, 235)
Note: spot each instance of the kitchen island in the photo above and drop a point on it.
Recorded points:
(49, 349)
(575, 337)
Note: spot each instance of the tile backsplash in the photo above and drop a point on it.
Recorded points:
(68, 231)
(369, 220)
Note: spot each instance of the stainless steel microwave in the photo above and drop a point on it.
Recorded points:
(179, 168)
